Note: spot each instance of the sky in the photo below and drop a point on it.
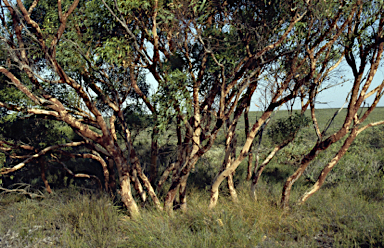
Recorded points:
(334, 97)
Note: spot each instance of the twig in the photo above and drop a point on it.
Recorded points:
(81, 175)
(23, 192)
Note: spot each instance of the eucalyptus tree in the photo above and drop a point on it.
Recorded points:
(310, 53)
(363, 46)
(207, 58)
(81, 72)
(61, 90)
(328, 33)
(82, 63)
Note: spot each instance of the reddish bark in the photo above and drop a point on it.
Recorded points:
(42, 170)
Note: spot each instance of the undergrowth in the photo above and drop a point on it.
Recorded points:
(348, 211)
(341, 216)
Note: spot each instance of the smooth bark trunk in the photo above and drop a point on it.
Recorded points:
(320, 146)
(260, 171)
(127, 198)
(329, 166)
(236, 163)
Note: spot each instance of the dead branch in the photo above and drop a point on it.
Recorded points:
(4, 171)
(24, 191)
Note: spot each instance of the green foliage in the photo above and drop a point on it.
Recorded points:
(45, 132)
(95, 42)
(173, 98)
(284, 129)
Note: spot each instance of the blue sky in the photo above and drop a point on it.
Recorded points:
(334, 97)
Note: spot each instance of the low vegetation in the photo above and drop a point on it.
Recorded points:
(347, 212)
(72, 219)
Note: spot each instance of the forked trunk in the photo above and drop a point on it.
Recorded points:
(137, 167)
(307, 160)
(137, 185)
(179, 183)
(230, 154)
(228, 171)
(180, 180)
(329, 166)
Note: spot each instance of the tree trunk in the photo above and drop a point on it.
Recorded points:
(320, 146)
(112, 178)
(180, 182)
(231, 188)
(250, 154)
(231, 185)
(125, 183)
(42, 170)
(182, 177)
(137, 185)
(165, 175)
(329, 167)
(183, 194)
(127, 198)
(154, 156)
(257, 175)
(239, 159)
(137, 167)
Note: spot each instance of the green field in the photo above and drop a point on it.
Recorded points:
(348, 211)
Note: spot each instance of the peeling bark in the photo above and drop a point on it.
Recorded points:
(344, 148)
(250, 154)
(137, 167)
(137, 185)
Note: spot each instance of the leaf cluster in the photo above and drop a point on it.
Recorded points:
(284, 129)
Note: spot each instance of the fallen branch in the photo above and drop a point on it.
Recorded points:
(4, 171)
(23, 191)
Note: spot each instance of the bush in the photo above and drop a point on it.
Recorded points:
(285, 128)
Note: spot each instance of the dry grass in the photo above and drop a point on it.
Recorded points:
(338, 217)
